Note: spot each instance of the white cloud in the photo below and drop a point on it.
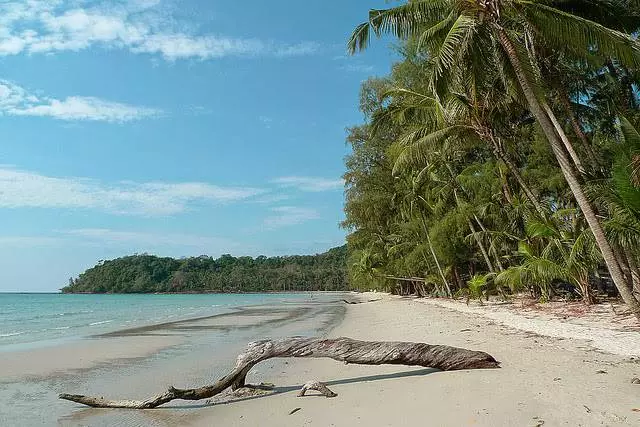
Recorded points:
(27, 241)
(20, 189)
(148, 241)
(358, 68)
(15, 100)
(270, 199)
(290, 215)
(266, 121)
(42, 26)
(308, 183)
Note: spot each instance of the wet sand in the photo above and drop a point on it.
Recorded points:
(143, 361)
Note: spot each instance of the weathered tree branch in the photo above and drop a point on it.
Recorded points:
(342, 349)
(317, 386)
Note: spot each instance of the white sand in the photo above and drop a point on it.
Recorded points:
(543, 380)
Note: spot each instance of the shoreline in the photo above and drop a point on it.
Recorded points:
(141, 361)
(558, 381)
(543, 380)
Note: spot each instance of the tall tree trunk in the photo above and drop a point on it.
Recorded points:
(485, 255)
(567, 170)
(435, 258)
(492, 248)
(621, 256)
(635, 271)
(563, 137)
(471, 227)
(513, 169)
(575, 124)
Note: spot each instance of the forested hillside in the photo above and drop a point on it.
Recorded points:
(501, 153)
(148, 273)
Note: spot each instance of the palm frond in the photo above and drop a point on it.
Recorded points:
(403, 21)
(580, 35)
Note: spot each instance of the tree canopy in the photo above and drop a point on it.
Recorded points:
(500, 154)
(228, 274)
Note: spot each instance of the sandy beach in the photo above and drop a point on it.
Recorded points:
(543, 380)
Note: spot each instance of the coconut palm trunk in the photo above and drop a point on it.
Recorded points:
(513, 169)
(634, 270)
(492, 247)
(575, 124)
(567, 170)
(435, 258)
(563, 137)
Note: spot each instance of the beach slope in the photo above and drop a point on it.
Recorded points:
(543, 380)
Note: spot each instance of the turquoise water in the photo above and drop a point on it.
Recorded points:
(33, 320)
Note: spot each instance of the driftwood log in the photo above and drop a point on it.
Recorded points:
(345, 350)
(317, 386)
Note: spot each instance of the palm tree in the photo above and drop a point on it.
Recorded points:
(457, 117)
(461, 35)
(559, 248)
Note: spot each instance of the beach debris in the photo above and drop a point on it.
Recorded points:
(635, 380)
(539, 422)
(317, 386)
(601, 372)
(587, 408)
(360, 302)
(294, 410)
(445, 358)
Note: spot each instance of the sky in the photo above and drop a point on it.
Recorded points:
(173, 127)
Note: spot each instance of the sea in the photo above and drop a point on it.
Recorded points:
(36, 320)
(135, 345)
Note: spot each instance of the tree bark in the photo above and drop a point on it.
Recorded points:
(575, 124)
(500, 154)
(635, 271)
(485, 255)
(565, 166)
(563, 137)
(344, 350)
(435, 258)
(492, 247)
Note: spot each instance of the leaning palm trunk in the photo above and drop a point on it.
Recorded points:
(575, 124)
(567, 170)
(513, 169)
(492, 247)
(634, 270)
(563, 137)
(435, 258)
(483, 250)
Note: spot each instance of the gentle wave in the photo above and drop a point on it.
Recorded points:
(100, 323)
(11, 334)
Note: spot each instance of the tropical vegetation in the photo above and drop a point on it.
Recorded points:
(203, 274)
(502, 152)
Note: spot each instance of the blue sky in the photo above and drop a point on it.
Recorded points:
(176, 128)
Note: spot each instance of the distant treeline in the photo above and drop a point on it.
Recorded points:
(148, 273)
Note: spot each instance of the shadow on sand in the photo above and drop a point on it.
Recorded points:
(161, 412)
